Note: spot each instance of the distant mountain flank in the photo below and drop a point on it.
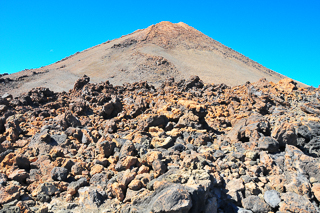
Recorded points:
(153, 54)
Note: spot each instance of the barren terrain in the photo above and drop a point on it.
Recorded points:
(152, 54)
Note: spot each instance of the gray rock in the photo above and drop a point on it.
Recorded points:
(10, 209)
(74, 186)
(127, 149)
(107, 110)
(293, 202)
(106, 148)
(268, 144)
(272, 198)
(48, 189)
(23, 162)
(159, 167)
(100, 179)
(59, 139)
(198, 195)
(3, 179)
(68, 120)
(171, 199)
(234, 190)
(285, 134)
(255, 204)
(89, 197)
(59, 173)
(242, 210)
(64, 211)
(43, 197)
(211, 206)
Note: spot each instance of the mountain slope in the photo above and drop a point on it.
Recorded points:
(152, 54)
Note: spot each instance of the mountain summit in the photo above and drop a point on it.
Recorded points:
(152, 54)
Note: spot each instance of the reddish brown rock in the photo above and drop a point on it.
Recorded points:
(183, 147)
(316, 190)
(81, 82)
(117, 191)
(135, 185)
(285, 134)
(96, 169)
(126, 163)
(287, 85)
(152, 156)
(78, 168)
(126, 177)
(9, 193)
(143, 169)
(24, 208)
(19, 175)
(235, 189)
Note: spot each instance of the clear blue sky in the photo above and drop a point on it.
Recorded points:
(282, 35)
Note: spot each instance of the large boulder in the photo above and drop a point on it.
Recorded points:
(79, 84)
(255, 204)
(285, 133)
(293, 202)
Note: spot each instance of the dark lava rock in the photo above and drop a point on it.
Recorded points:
(285, 134)
(100, 179)
(90, 197)
(171, 198)
(81, 82)
(128, 149)
(68, 120)
(23, 162)
(106, 148)
(59, 173)
(255, 204)
(268, 144)
(74, 186)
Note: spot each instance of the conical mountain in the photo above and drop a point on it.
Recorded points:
(152, 54)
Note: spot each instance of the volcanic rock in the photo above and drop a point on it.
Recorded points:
(186, 146)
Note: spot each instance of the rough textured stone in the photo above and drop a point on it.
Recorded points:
(19, 175)
(171, 199)
(89, 197)
(235, 189)
(9, 193)
(106, 148)
(81, 82)
(45, 188)
(59, 173)
(285, 134)
(74, 186)
(268, 144)
(255, 204)
(185, 146)
(316, 190)
(296, 203)
(272, 198)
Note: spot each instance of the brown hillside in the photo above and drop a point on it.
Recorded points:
(152, 54)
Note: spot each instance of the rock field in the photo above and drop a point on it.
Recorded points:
(183, 147)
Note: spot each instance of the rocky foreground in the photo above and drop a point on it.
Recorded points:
(184, 147)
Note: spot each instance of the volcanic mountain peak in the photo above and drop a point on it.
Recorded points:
(169, 29)
(169, 35)
(153, 54)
